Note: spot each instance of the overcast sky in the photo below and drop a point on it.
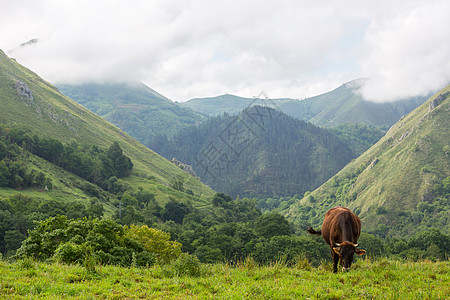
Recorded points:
(200, 48)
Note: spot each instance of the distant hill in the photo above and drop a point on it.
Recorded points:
(260, 152)
(398, 186)
(135, 108)
(342, 105)
(30, 103)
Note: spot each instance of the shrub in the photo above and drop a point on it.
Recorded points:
(83, 240)
(70, 253)
(144, 259)
(188, 265)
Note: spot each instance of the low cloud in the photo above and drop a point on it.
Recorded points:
(408, 53)
(187, 49)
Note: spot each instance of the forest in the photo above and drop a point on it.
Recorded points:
(231, 231)
(260, 153)
(100, 167)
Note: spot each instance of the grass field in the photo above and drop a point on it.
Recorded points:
(381, 279)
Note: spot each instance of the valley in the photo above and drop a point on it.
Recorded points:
(225, 150)
(69, 179)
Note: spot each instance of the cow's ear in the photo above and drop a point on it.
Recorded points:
(337, 250)
(360, 251)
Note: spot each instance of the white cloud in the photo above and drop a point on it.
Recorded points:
(197, 48)
(408, 53)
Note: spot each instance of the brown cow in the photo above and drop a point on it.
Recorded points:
(340, 229)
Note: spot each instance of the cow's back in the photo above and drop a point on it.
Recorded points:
(336, 219)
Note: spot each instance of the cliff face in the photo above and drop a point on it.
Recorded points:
(185, 167)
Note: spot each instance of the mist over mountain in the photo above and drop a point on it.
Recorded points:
(135, 108)
(344, 104)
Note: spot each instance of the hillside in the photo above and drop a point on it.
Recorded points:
(33, 104)
(261, 152)
(135, 108)
(398, 186)
(343, 104)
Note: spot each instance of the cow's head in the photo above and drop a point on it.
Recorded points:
(346, 250)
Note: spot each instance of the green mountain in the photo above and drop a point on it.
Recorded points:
(260, 152)
(135, 108)
(342, 105)
(398, 186)
(29, 103)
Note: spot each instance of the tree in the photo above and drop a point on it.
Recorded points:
(174, 211)
(155, 241)
(272, 224)
(13, 240)
(4, 174)
(122, 164)
(144, 198)
(3, 150)
(221, 199)
(177, 184)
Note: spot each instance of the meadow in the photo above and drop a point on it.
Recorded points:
(368, 279)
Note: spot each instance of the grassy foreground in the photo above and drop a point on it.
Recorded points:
(382, 279)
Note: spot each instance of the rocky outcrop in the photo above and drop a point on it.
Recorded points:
(374, 162)
(187, 168)
(23, 91)
(436, 101)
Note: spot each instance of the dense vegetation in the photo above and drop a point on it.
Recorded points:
(19, 213)
(279, 263)
(89, 162)
(261, 152)
(231, 231)
(98, 242)
(359, 137)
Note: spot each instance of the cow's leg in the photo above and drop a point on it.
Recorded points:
(335, 261)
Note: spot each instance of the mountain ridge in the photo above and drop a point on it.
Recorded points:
(134, 107)
(341, 105)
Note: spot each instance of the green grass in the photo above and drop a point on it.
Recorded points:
(382, 279)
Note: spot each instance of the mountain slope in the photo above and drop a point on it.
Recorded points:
(32, 103)
(135, 108)
(341, 105)
(397, 185)
(261, 152)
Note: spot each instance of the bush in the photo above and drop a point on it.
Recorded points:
(83, 240)
(70, 253)
(144, 259)
(188, 265)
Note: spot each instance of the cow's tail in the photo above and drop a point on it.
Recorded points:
(312, 231)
